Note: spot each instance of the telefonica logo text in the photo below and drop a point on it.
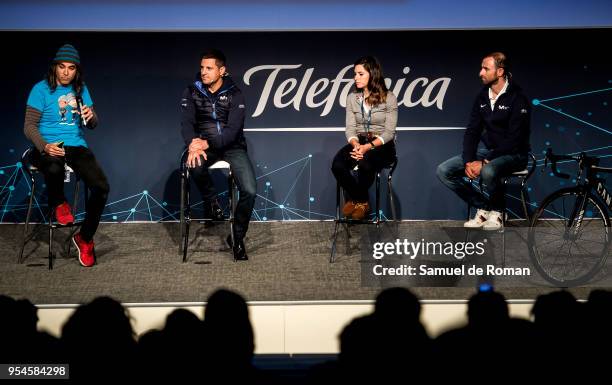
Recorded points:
(323, 92)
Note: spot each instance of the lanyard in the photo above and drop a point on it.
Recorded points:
(367, 121)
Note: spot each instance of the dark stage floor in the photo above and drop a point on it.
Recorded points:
(289, 261)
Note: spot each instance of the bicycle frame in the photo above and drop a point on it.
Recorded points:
(605, 196)
(590, 182)
(579, 258)
(578, 213)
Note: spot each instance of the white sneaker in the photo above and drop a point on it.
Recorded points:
(494, 222)
(479, 219)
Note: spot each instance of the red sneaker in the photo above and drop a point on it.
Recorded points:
(63, 214)
(87, 256)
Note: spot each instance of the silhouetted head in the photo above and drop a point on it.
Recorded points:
(398, 302)
(559, 307)
(488, 308)
(103, 324)
(228, 330)
(182, 321)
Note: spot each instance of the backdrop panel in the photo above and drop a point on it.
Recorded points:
(295, 85)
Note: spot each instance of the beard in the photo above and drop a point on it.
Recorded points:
(488, 82)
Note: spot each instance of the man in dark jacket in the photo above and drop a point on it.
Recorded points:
(212, 123)
(500, 119)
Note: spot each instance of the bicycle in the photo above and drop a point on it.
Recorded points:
(569, 235)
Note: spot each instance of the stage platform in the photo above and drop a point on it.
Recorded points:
(298, 301)
(289, 261)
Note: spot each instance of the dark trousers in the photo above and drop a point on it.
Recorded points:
(85, 165)
(452, 174)
(373, 161)
(244, 175)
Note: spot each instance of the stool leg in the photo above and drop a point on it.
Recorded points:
(503, 239)
(348, 238)
(51, 239)
(27, 221)
(505, 207)
(332, 256)
(467, 229)
(182, 213)
(503, 228)
(345, 223)
(391, 200)
(469, 206)
(187, 218)
(232, 205)
(377, 216)
(75, 202)
(74, 209)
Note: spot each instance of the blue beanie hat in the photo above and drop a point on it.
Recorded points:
(67, 53)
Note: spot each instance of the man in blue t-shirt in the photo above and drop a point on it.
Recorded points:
(57, 110)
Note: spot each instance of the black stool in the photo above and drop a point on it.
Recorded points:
(522, 176)
(185, 217)
(32, 171)
(376, 220)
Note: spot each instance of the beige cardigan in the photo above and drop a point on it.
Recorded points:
(383, 117)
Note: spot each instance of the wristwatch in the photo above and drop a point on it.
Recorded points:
(373, 146)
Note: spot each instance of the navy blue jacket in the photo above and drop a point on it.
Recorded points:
(217, 117)
(505, 130)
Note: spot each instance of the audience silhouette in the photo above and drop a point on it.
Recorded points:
(387, 346)
(99, 342)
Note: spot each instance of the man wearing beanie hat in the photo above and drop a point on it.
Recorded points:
(57, 110)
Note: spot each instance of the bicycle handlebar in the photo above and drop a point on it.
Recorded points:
(553, 162)
(590, 163)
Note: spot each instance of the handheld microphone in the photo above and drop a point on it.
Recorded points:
(80, 103)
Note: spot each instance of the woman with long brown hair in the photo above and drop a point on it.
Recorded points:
(371, 119)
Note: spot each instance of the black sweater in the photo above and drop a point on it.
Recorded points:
(505, 130)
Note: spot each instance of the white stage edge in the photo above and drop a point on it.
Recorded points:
(288, 327)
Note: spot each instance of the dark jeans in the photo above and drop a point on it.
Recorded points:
(452, 173)
(373, 161)
(244, 175)
(84, 164)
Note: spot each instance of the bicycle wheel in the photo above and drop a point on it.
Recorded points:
(569, 255)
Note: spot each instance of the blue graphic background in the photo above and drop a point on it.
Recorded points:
(136, 80)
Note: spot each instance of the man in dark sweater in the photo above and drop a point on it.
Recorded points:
(500, 120)
(212, 123)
